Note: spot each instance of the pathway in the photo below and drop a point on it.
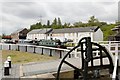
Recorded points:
(14, 72)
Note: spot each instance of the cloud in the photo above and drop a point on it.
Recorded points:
(22, 14)
(24, 9)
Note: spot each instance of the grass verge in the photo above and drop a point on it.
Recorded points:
(24, 57)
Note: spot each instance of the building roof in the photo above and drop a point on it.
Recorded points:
(72, 30)
(19, 30)
(40, 31)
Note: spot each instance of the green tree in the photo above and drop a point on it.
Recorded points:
(117, 23)
(36, 26)
(107, 30)
(93, 21)
(54, 24)
(59, 23)
(80, 24)
(48, 23)
(66, 25)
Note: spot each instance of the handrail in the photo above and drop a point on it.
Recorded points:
(115, 68)
(39, 46)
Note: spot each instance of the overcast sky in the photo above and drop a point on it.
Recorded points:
(16, 15)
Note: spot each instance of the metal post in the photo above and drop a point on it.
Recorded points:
(6, 68)
(85, 74)
(60, 54)
(50, 52)
(88, 55)
(9, 47)
(34, 49)
(42, 52)
(117, 75)
(101, 61)
(89, 49)
(26, 48)
(18, 48)
(69, 55)
(82, 55)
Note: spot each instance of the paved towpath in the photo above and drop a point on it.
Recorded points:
(14, 72)
(38, 68)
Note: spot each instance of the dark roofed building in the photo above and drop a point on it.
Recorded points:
(19, 34)
(115, 37)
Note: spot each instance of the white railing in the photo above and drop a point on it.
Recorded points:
(58, 52)
(113, 47)
(115, 68)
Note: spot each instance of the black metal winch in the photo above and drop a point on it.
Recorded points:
(87, 54)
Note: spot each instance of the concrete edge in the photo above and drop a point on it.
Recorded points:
(21, 70)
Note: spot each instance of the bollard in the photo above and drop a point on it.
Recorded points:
(9, 60)
(6, 68)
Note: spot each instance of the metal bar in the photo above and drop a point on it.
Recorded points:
(72, 65)
(92, 60)
(50, 52)
(9, 47)
(101, 58)
(26, 48)
(85, 73)
(18, 48)
(42, 52)
(60, 54)
(34, 49)
(117, 72)
(82, 55)
(95, 49)
(88, 55)
(88, 49)
(69, 55)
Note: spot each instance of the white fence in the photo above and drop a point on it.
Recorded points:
(112, 46)
(51, 51)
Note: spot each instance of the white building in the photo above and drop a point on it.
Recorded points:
(39, 34)
(76, 34)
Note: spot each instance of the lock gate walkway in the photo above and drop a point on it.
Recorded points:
(37, 68)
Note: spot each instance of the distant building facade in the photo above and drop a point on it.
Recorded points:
(115, 37)
(19, 34)
(39, 34)
(74, 34)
